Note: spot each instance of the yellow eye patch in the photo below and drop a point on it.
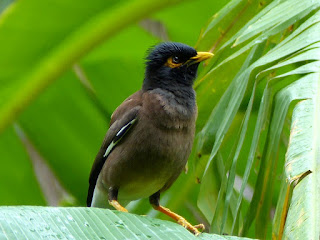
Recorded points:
(171, 64)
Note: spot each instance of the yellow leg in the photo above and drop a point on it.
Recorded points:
(182, 221)
(117, 205)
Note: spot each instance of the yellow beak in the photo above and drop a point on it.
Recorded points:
(201, 56)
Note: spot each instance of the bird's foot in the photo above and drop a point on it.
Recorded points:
(194, 229)
(180, 220)
(117, 205)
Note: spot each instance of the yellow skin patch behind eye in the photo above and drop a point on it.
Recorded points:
(201, 56)
(171, 64)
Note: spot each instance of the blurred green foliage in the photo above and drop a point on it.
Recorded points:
(65, 67)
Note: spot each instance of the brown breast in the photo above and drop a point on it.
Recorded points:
(164, 110)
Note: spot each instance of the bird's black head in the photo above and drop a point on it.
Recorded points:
(172, 66)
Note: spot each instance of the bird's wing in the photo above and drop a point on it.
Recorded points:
(123, 118)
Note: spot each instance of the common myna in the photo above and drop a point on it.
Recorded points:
(151, 134)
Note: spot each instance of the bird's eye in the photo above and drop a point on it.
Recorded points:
(175, 59)
(173, 62)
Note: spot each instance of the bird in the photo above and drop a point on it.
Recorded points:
(151, 134)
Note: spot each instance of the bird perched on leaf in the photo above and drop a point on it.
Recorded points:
(151, 134)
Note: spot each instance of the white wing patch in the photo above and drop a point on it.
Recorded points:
(119, 136)
(110, 147)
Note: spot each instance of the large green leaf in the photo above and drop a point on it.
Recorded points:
(84, 223)
(301, 167)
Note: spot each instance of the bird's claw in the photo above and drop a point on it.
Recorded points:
(200, 226)
(194, 229)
